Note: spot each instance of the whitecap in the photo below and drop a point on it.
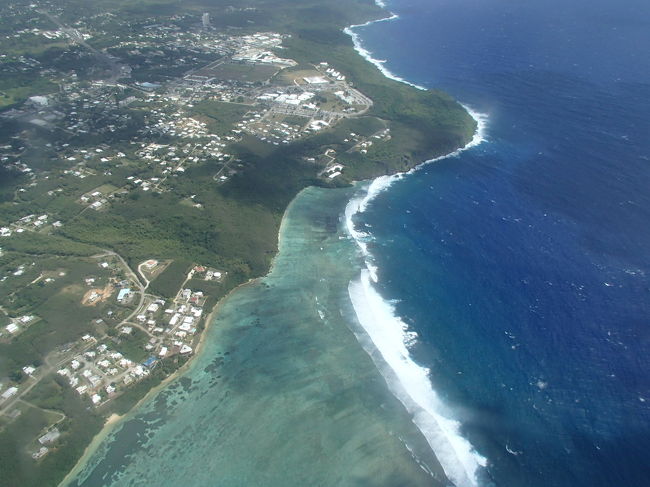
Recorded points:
(410, 382)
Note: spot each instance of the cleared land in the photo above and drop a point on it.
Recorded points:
(239, 72)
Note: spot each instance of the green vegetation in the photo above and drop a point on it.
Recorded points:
(17, 88)
(60, 318)
(169, 281)
(80, 425)
(295, 120)
(162, 370)
(214, 289)
(243, 72)
(424, 124)
(220, 116)
(40, 244)
(131, 344)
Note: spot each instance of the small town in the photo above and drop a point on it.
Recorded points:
(152, 329)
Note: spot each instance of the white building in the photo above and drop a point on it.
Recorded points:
(9, 393)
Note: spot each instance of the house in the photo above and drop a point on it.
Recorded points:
(49, 437)
(40, 453)
(28, 369)
(63, 372)
(123, 294)
(39, 100)
(9, 393)
(149, 362)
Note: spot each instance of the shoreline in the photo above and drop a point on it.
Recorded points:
(391, 338)
(288, 371)
(114, 419)
(480, 118)
(367, 55)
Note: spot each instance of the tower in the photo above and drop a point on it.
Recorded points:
(206, 20)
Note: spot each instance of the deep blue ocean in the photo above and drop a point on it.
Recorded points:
(524, 263)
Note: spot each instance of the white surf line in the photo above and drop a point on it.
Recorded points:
(367, 55)
(410, 382)
(390, 336)
(481, 119)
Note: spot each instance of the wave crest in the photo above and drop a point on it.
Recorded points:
(410, 382)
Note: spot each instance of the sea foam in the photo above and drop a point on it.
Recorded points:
(410, 382)
(481, 119)
(391, 337)
(356, 40)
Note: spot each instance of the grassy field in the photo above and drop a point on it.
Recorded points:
(240, 72)
(57, 305)
(221, 117)
(296, 74)
(132, 345)
(169, 281)
(81, 423)
(295, 120)
(16, 89)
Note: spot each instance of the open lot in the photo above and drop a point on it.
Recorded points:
(243, 72)
(298, 75)
(220, 117)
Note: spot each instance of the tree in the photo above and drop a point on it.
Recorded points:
(17, 376)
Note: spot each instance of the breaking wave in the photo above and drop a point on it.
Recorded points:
(391, 337)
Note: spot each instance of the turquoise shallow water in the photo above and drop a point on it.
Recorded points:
(282, 392)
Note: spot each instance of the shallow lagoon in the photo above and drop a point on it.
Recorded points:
(282, 393)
